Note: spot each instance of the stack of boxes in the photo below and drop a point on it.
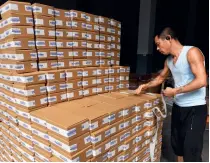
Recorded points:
(49, 56)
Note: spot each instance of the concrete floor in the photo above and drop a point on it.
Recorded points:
(167, 152)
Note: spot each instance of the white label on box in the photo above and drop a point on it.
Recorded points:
(50, 12)
(63, 97)
(97, 152)
(94, 81)
(84, 83)
(26, 136)
(87, 139)
(95, 140)
(52, 99)
(39, 21)
(62, 86)
(94, 125)
(70, 95)
(43, 101)
(40, 134)
(42, 65)
(106, 120)
(59, 33)
(121, 126)
(52, 33)
(25, 103)
(51, 88)
(25, 92)
(37, 9)
(126, 124)
(85, 126)
(50, 76)
(62, 75)
(85, 73)
(40, 43)
(52, 23)
(59, 22)
(69, 85)
(39, 32)
(25, 125)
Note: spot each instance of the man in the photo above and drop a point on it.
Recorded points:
(187, 65)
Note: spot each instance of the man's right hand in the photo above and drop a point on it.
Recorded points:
(141, 88)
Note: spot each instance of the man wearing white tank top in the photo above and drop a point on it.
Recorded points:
(189, 113)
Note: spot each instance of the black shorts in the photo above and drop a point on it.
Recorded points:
(187, 129)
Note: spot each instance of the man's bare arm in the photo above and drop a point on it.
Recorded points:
(160, 78)
(196, 61)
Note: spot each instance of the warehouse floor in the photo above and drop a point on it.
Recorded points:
(167, 152)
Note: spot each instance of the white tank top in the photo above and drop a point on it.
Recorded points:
(183, 75)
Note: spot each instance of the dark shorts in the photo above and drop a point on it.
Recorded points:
(187, 129)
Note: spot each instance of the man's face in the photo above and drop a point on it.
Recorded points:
(163, 45)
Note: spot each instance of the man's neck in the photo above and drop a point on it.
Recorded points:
(176, 49)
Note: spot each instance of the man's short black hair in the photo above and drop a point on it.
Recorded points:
(162, 33)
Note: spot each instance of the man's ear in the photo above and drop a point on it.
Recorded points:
(168, 37)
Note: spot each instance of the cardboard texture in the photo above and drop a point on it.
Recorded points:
(45, 43)
(44, 21)
(74, 84)
(48, 65)
(65, 53)
(74, 94)
(56, 87)
(55, 98)
(55, 76)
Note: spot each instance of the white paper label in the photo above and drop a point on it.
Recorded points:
(94, 125)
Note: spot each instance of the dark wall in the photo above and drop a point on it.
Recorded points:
(190, 20)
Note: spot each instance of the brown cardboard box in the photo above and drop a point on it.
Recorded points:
(44, 32)
(102, 80)
(61, 23)
(104, 54)
(55, 159)
(90, 72)
(89, 91)
(17, 32)
(89, 82)
(19, 67)
(26, 156)
(65, 53)
(42, 149)
(124, 86)
(89, 26)
(45, 43)
(104, 63)
(100, 135)
(103, 20)
(73, 127)
(115, 70)
(81, 44)
(114, 79)
(101, 148)
(74, 94)
(93, 45)
(44, 21)
(70, 147)
(124, 70)
(56, 87)
(31, 102)
(75, 73)
(64, 63)
(93, 36)
(30, 78)
(55, 76)
(32, 90)
(74, 84)
(79, 53)
(62, 14)
(55, 98)
(78, 25)
(16, 20)
(75, 34)
(20, 55)
(100, 158)
(21, 43)
(115, 54)
(82, 156)
(113, 87)
(47, 65)
(115, 39)
(44, 10)
(114, 46)
(91, 18)
(102, 71)
(102, 88)
(77, 15)
(15, 7)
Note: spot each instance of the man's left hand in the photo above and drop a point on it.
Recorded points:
(169, 92)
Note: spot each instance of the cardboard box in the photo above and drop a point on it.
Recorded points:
(64, 63)
(89, 26)
(19, 67)
(56, 87)
(75, 73)
(55, 159)
(44, 32)
(62, 14)
(55, 76)
(44, 21)
(102, 71)
(104, 63)
(61, 23)
(93, 45)
(104, 54)
(93, 36)
(41, 147)
(74, 94)
(103, 20)
(89, 82)
(45, 43)
(115, 39)
(62, 44)
(29, 78)
(20, 55)
(89, 91)
(65, 54)
(17, 32)
(102, 80)
(102, 88)
(15, 7)
(91, 18)
(16, 20)
(124, 85)
(90, 72)
(44, 10)
(75, 34)
(115, 54)
(82, 156)
(77, 15)
(55, 98)
(100, 158)
(32, 90)
(47, 65)
(113, 87)
(18, 44)
(77, 25)
(124, 70)
(101, 148)
(103, 29)
(74, 84)
(114, 80)
(70, 148)
(31, 102)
